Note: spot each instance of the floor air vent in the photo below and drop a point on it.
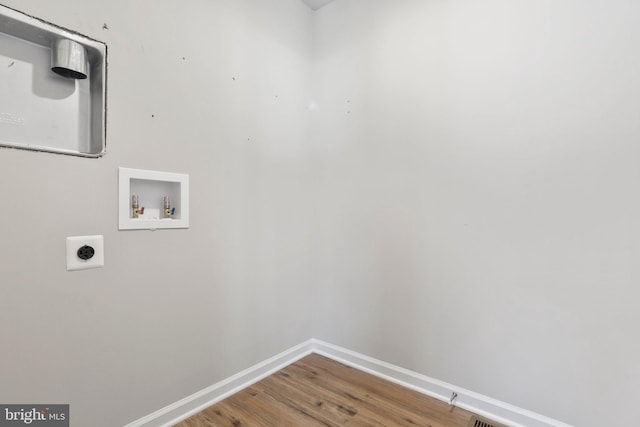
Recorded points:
(476, 421)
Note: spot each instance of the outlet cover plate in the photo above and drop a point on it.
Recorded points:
(76, 242)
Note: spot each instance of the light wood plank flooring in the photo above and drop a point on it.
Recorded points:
(316, 391)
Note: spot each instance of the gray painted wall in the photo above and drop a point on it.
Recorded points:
(480, 187)
(172, 311)
(459, 202)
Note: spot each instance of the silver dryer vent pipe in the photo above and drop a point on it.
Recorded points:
(69, 59)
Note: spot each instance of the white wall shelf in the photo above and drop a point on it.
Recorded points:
(151, 188)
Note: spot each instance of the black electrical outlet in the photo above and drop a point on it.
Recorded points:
(86, 252)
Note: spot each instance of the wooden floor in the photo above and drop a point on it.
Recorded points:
(316, 391)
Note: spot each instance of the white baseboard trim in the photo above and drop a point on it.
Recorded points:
(496, 410)
(482, 405)
(190, 405)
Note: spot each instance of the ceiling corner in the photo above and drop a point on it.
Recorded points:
(316, 4)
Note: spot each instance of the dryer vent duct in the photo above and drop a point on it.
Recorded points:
(69, 59)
